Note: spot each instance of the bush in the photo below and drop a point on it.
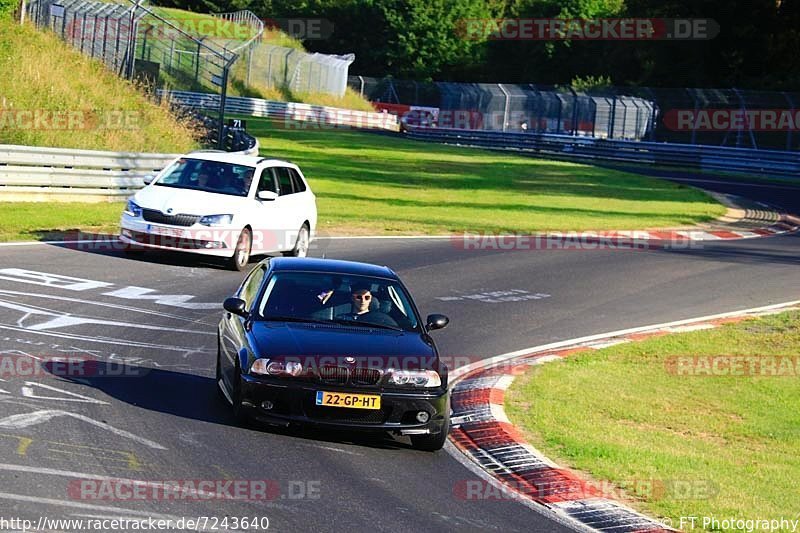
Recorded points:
(7, 8)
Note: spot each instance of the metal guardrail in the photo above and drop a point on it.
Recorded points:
(294, 115)
(33, 173)
(772, 163)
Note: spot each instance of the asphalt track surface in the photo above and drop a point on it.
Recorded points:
(164, 420)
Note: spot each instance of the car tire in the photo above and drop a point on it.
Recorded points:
(241, 254)
(431, 443)
(301, 244)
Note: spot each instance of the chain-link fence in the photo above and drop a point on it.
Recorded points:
(723, 117)
(274, 66)
(142, 43)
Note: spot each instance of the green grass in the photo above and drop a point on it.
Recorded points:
(33, 221)
(377, 184)
(43, 75)
(619, 415)
(367, 183)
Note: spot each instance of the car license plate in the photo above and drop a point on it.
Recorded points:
(165, 232)
(353, 401)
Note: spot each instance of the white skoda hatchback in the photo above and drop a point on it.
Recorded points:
(224, 205)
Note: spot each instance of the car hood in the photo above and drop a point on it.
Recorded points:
(187, 201)
(322, 344)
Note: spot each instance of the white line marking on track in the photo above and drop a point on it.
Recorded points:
(174, 300)
(114, 306)
(24, 420)
(120, 342)
(28, 392)
(61, 320)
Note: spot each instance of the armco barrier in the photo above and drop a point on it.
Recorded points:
(61, 174)
(773, 163)
(294, 115)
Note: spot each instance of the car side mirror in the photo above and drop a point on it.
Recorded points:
(267, 196)
(437, 322)
(237, 306)
(149, 179)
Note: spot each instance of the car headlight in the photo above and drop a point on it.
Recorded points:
(415, 378)
(216, 220)
(276, 368)
(133, 209)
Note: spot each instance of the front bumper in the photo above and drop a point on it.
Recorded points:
(295, 403)
(139, 234)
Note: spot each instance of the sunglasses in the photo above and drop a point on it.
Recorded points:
(362, 296)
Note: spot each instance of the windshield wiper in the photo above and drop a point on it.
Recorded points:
(348, 322)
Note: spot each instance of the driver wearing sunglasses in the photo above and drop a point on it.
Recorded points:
(360, 300)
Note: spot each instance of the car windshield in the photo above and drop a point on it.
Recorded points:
(208, 176)
(342, 299)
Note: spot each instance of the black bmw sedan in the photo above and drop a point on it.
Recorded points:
(333, 344)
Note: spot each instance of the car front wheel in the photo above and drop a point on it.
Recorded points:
(241, 254)
(301, 244)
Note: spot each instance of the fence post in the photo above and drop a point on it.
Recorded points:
(574, 111)
(249, 62)
(197, 63)
(749, 126)
(613, 117)
(222, 98)
(134, 26)
(505, 106)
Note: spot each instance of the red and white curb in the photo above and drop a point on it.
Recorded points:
(785, 224)
(483, 435)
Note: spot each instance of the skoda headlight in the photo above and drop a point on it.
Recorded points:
(133, 209)
(216, 220)
(415, 378)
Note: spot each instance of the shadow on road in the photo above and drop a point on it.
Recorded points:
(198, 398)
